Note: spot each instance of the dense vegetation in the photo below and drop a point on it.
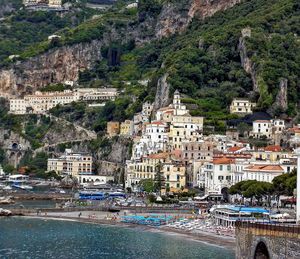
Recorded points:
(281, 185)
(23, 29)
(204, 63)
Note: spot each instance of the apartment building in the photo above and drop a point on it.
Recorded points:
(126, 128)
(241, 106)
(40, 102)
(71, 163)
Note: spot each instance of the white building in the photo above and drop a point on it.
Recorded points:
(217, 175)
(94, 94)
(94, 179)
(268, 128)
(278, 126)
(262, 128)
(264, 173)
(241, 106)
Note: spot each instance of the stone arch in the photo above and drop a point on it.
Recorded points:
(261, 251)
(225, 193)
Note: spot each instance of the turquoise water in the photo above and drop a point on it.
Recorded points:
(33, 238)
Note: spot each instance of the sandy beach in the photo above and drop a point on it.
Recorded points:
(105, 218)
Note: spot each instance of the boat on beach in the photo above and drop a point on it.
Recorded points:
(22, 187)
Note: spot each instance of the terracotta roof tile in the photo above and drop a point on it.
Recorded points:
(159, 156)
(273, 148)
(264, 168)
(223, 161)
(234, 149)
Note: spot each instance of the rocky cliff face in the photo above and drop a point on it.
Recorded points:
(247, 64)
(56, 66)
(162, 93)
(281, 102)
(14, 145)
(64, 63)
(175, 17)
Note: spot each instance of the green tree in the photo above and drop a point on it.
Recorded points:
(159, 179)
(147, 185)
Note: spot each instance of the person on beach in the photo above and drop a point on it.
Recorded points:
(79, 215)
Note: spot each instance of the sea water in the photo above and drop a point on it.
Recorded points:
(37, 238)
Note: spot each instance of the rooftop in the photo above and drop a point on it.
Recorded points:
(262, 121)
(159, 156)
(265, 168)
(223, 161)
(273, 148)
(234, 149)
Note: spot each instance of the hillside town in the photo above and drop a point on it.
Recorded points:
(174, 141)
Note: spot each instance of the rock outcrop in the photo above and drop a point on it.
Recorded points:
(162, 93)
(281, 102)
(176, 16)
(14, 145)
(64, 63)
(246, 62)
(55, 66)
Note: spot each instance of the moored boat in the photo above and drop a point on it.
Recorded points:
(22, 187)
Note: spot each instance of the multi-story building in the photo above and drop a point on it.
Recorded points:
(241, 106)
(49, 3)
(126, 128)
(172, 170)
(71, 163)
(264, 173)
(217, 175)
(55, 3)
(267, 128)
(41, 102)
(96, 94)
(113, 128)
(262, 128)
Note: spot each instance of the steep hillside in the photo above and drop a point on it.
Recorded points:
(207, 50)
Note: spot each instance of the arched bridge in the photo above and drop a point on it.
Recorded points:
(267, 241)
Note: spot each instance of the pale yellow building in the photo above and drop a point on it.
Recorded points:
(173, 172)
(272, 153)
(126, 128)
(71, 163)
(55, 3)
(41, 102)
(113, 128)
(241, 106)
(175, 178)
